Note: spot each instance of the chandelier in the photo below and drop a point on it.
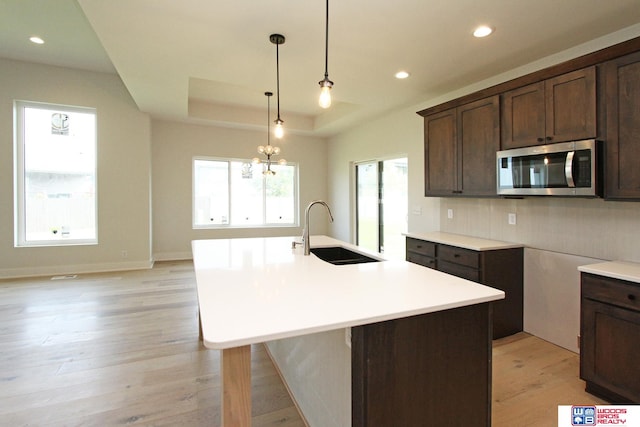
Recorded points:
(269, 150)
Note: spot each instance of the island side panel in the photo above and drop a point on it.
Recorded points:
(432, 369)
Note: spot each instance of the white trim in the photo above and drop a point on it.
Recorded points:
(52, 270)
(264, 224)
(20, 239)
(172, 256)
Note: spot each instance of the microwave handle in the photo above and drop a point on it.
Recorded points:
(568, 169)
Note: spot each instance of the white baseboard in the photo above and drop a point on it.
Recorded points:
(53, 270)
(172, 256)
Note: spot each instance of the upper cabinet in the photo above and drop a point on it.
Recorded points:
(460, 147)
(622, 145)
(559, 109)
(593, 96)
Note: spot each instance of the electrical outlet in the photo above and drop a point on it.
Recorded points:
(450, 213)
(512, 219)
(124, 254)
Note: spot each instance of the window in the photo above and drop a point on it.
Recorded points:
(235, 193)
(55, 175)
(381, 205)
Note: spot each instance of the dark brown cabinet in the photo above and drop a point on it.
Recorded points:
(499, 268)
(559, 109)
(428, 370)
(610, 338)
(622, 145)
(460, 147)
(440, 146)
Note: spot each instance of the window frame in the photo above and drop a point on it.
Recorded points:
(19, 178)
(264, 224)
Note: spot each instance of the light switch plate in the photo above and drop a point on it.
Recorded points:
(512, 219)
(450, 213)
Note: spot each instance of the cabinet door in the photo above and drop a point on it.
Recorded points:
(571, 106)
(478, 140)
(427, 370)
(610, 344)
(622, 98)
(440, 154)
(523, 118)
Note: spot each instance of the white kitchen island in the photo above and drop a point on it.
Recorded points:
(255, 290)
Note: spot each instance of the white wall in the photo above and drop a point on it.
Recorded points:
(399, 134)
(317, 369)
(552, 296)
(124, 168)
(173, 148)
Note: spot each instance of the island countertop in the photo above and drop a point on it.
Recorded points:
(253, 290)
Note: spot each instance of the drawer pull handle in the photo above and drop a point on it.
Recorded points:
(456, 255)
(631, 297)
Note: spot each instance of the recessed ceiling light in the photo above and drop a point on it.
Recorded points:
(36, 40)
(402, 75)
(482, 31)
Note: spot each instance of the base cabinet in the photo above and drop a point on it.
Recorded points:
(610, 338)
(500, 268)
(428, 370)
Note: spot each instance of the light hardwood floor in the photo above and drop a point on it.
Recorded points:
(119, 349)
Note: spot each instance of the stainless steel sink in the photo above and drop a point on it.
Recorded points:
(338, 255)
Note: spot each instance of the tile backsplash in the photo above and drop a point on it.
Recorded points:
(584, 227)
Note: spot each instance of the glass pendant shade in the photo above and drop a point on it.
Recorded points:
(278, 130)
(325, 95)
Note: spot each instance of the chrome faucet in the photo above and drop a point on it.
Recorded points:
(305, 232)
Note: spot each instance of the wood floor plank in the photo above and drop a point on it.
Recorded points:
(122, 349)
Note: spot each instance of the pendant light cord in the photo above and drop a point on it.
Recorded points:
(268, 117)
(326, 46)
(278, 76)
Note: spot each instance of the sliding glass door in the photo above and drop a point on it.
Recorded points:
(381, 205)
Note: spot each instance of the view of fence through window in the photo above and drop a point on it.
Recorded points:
(235, 193)
(56, 175)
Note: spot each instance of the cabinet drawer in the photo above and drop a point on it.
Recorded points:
(460, 256)
(459, 270)
(611, 291)
(421, 246)
(420, 259)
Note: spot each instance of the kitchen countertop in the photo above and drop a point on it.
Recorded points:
(623, 270)
(461, 241)
(253, 290)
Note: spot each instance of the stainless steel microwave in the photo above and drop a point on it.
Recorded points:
(563, 169)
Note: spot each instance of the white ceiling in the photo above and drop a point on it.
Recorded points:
(212, 61)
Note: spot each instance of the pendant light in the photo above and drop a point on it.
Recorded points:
(326, 84)
(269, 150)
(278, 39)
